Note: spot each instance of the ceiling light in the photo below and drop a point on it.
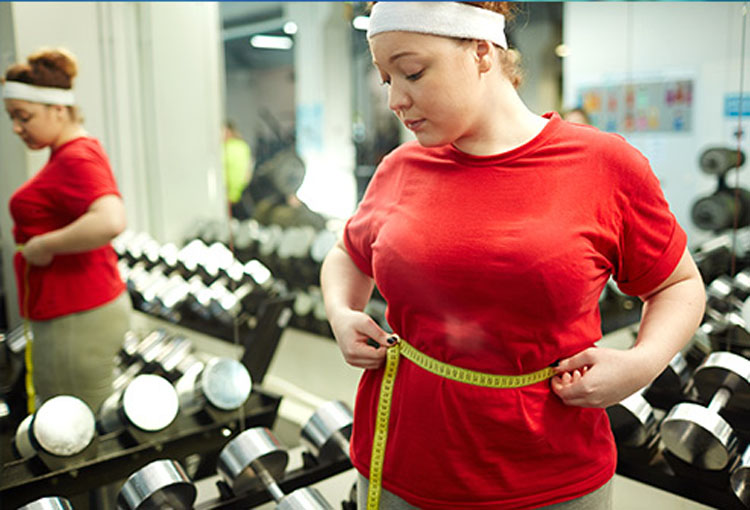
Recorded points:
(290, 27)
(562, 51)
(361, 22)
(271, 42)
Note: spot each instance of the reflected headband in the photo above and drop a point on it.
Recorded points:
(44, 95)
(449, 19)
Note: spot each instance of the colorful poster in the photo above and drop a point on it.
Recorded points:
(640, 107)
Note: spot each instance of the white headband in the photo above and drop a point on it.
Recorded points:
(44, 95)
(450, 19)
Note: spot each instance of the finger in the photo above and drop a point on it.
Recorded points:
(577, 361)
(370, 329)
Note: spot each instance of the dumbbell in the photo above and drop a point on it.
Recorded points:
(158, 485)
(63, 427)
(170, 298)
(144, 357)
(168, 255)
(255, 456)
(189, 255)
(322, 244)
(720, 294)
(223, 383)
(714, 256)
(719, 160)
(632, 420)
(740, 479)
(327, 432)
(120, 243)
(699, 435)
(48, 503)
(171, 358)
(148, 403)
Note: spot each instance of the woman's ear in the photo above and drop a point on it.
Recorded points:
(484, 55)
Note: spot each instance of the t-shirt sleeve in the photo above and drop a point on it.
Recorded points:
(651, 242)
(361, 229)
(84, 179)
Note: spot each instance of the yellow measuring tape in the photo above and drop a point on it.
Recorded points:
(464, 375)
(30, 392)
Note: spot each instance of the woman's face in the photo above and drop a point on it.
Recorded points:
(37, 124)
(433, 84)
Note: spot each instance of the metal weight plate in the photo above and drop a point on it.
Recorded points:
(159, 485)
(22, 440)
(740, 479)
(253, 445)
(64, 425)
(150, 402)
(633, 422)
(49, 503)
(727, 369)
(226, 383)
(307, 498)
(698, 436)
(328, 430)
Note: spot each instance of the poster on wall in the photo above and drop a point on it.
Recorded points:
(648, 107)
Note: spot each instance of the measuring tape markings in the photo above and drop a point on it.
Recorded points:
(464, 375)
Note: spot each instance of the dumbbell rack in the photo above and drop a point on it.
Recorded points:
(119, 454)
(259, 341)
(659, 468)
(310, 473)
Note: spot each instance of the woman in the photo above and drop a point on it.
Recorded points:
(64, 217)
(491, 238)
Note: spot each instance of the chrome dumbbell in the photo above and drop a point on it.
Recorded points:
(699, 435)
(633, 421)
(256, 456)
(63, 427)
(48, 503)
(326, 434)
(740, 479)
(149, 403)
(161, 484)
(223, 384)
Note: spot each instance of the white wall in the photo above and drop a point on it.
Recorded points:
(614, 41)
(323, 97)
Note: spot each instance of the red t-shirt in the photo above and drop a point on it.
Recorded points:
(76, 174)
(496, 264)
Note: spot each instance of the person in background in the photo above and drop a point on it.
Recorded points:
(491, 237)
(69, 287)
(238, 167)
(577, 115)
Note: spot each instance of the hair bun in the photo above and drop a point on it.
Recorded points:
(55, 60)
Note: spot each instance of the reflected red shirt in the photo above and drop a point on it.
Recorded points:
(76, 174)
(496, 264)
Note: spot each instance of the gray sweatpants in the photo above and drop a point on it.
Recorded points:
(75, 354)
(600, 499)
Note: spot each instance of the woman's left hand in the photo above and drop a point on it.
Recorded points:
(36, 252)
(600, 377)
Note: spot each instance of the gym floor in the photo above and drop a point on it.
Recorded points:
(308, 370)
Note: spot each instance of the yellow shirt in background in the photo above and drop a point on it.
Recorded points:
(237, 159)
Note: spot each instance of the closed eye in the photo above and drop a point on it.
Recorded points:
(415, 76)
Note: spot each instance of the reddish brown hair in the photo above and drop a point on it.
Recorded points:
(510, 59)
(45, 68)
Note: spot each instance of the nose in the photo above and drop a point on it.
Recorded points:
(17, 127)
(398, 99)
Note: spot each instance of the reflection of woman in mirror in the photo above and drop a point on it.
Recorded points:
(64, 218)
(491, 238)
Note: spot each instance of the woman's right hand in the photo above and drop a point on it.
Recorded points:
(353, 330)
